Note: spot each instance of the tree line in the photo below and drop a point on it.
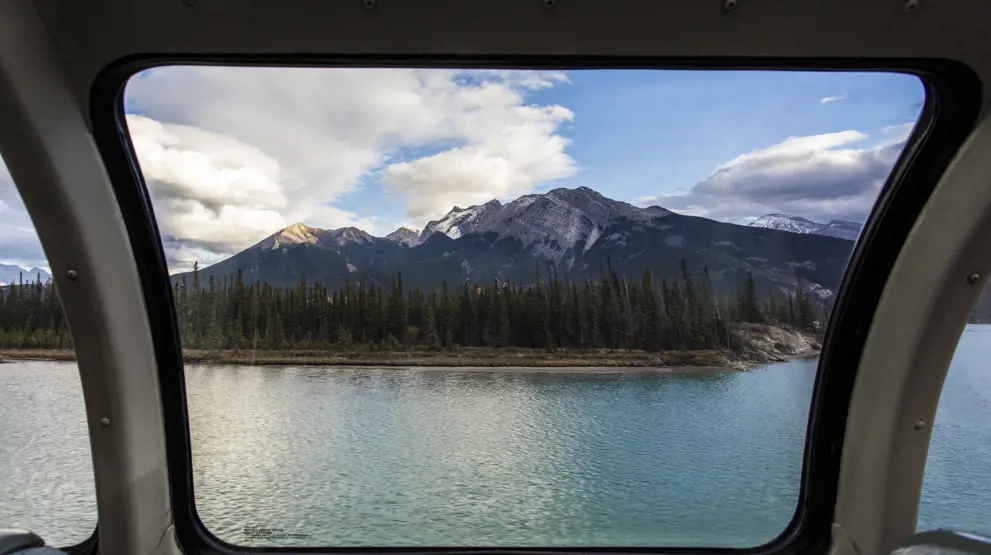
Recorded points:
(602, 311)
(31, 316)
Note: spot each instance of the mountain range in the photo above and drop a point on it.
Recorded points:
(573, 232)
(10, 273)
(795, 224)
(980, 314)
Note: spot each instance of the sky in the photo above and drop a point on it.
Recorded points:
(231, 155)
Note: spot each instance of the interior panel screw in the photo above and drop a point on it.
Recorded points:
(919, 424)
(72, 274)
(105, 422)
(974, 278)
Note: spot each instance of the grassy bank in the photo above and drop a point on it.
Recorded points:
(759, 344)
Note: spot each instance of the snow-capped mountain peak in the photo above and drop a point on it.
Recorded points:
(842, 229)
(550, 223)
(405, 237)
(784, 222)
(795, 224)
(460, 221)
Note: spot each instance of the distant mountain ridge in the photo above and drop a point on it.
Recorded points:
(980, 314)
(10, 273)
(835, 228)
(572, 232)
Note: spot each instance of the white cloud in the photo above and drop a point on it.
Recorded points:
(498, 165)
(185, 162)
(228, 228)
(19, 244)
(212, 193)
(820, 177)
(233, 151)
(183, 257)
(828, 99)
(895, 134)
(507, 149)
(335, 218)
(530, 79)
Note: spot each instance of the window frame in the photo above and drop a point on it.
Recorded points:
(950, 111)
(89, 544)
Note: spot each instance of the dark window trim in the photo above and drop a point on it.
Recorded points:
(88, 546)
(953, 99)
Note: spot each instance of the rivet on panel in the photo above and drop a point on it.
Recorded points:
(72, 274)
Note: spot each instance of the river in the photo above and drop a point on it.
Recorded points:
(412, 457)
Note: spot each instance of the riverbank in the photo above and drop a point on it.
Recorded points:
(759, 344)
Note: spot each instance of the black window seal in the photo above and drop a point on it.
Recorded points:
(952, 105)
(89, 546)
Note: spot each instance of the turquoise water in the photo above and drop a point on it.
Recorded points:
(956, 492)
(443, 458)
(404, 457)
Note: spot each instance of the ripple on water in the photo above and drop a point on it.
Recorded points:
(373, 457)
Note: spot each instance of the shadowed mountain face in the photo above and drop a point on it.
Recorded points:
(573, 232)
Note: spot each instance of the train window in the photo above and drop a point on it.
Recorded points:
(46, 467)
(506, 308)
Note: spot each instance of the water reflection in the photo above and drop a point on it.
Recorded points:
(397, 457)
(46, 471)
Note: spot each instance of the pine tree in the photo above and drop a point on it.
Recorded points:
(430, 324)
(605, 310)
(749, 305)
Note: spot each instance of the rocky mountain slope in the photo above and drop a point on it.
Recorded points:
(550, 224)
(795, 224)
(405, 237)
(461, 221)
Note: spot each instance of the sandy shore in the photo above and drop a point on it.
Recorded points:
(462, 358)
(469, 360)
(758, 344)
(543, 369)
